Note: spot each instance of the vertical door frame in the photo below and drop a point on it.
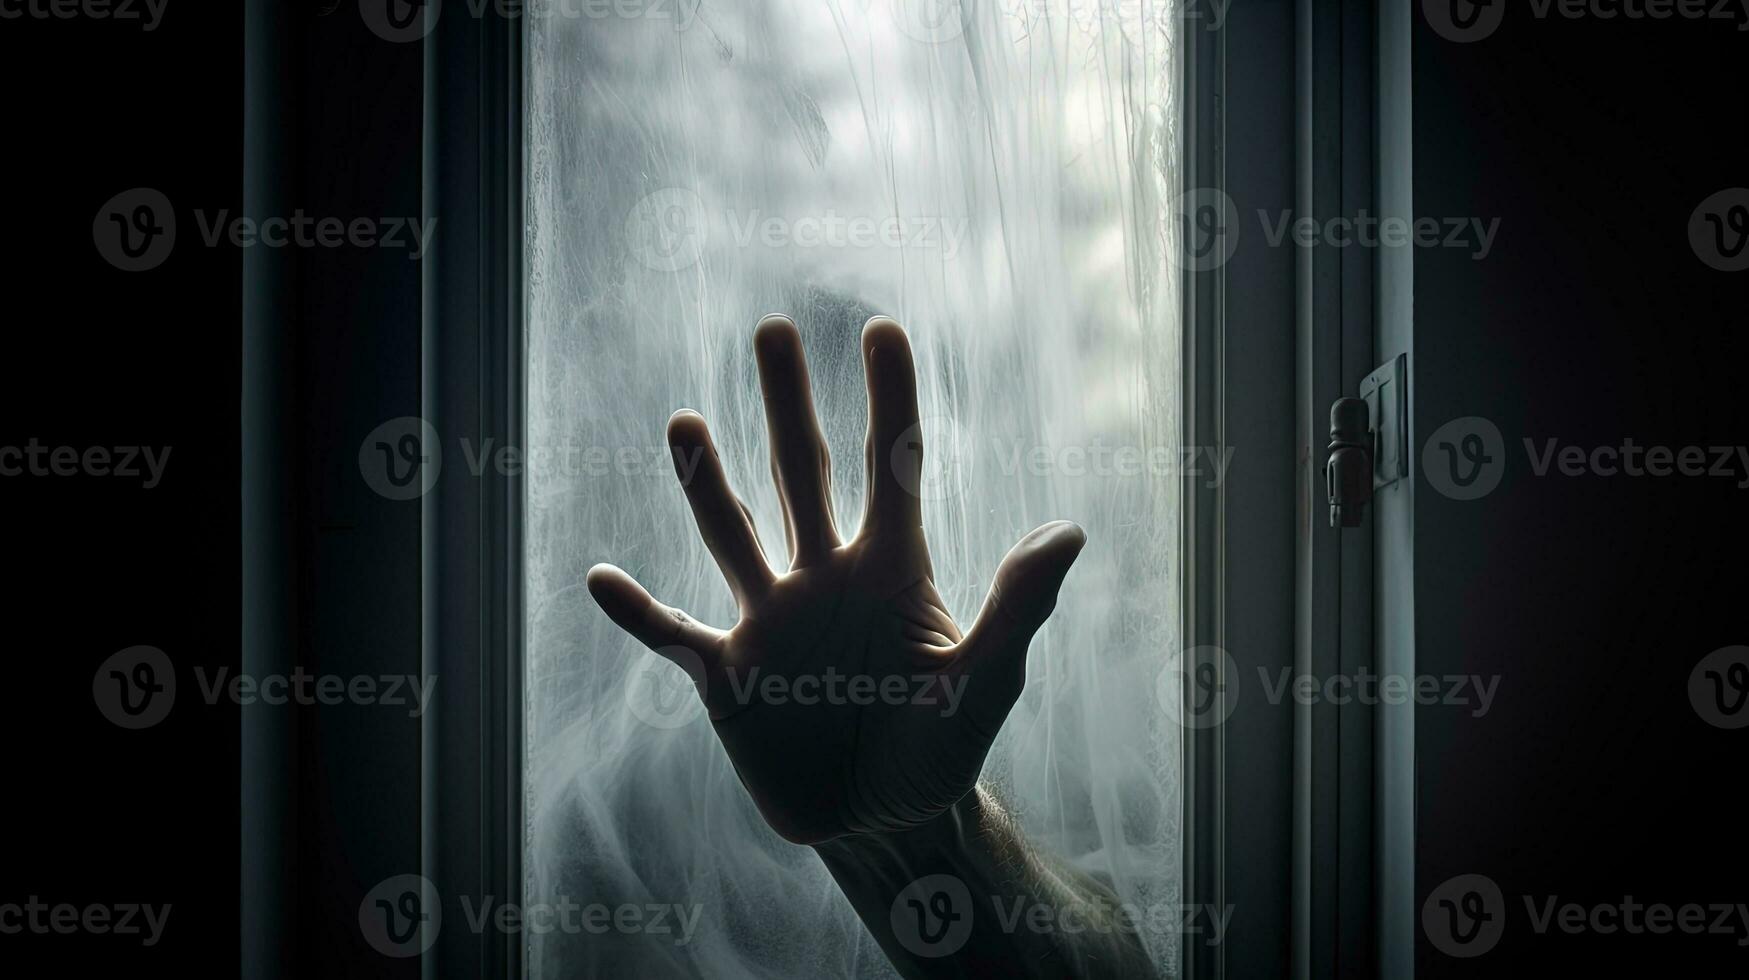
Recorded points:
(1238, 535)
(1299, 817)
(1394, 510)
(474, 358)
(1334, 743)
(1354, 762)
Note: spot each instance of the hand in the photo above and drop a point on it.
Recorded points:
(848, 699)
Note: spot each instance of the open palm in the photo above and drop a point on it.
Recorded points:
(848, 699)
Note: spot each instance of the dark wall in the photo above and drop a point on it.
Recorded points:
(1592, 598)
(1592, 779)
(338, 135)
(100, 816)
(95, 814)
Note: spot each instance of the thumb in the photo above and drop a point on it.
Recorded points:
(1020, 600)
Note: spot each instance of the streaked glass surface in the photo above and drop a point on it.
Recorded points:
(998, 178)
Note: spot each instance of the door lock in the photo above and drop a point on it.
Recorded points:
(1348, 472)
(1369, 442)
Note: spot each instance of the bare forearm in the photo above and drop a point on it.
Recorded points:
(965, 897)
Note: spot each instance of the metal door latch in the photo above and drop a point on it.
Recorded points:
(1368, 442)
(1348, 473)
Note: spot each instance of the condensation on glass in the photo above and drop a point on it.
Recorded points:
(997, 178)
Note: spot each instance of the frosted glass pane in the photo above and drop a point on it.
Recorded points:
(999, 180)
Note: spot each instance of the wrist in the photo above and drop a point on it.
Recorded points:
(950, 898)
(932, 843)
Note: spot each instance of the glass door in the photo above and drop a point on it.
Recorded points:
(1000, 179)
